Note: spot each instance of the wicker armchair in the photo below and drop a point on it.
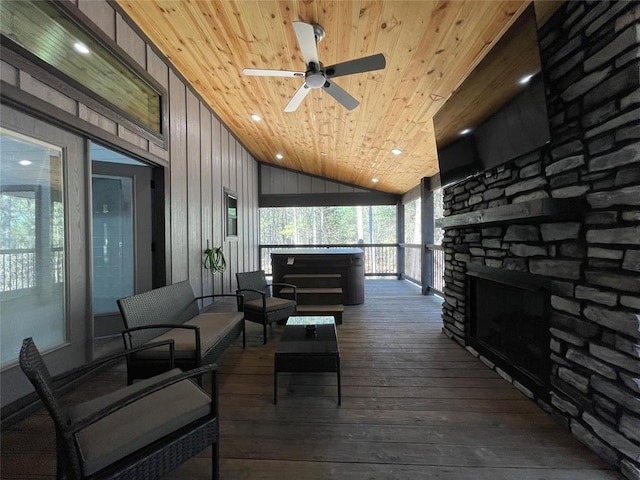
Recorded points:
(260, 303)
(139, 432)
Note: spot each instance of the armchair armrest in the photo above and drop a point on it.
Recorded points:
(196, 332)
(84, 369)
(260, 292)
(290, 285)
(129, 399)
(239, 298)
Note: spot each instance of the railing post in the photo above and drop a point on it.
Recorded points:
(400, 230)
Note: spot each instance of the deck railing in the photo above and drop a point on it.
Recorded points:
(380, 259)
(412, 262)
(438, 267)
(19, 271)
(18, 266)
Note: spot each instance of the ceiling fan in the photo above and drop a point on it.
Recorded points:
(316, 75)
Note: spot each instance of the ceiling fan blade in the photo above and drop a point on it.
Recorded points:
(297, 98)
(341, 95)
(307, 42)
(359, 65)
(260, 72)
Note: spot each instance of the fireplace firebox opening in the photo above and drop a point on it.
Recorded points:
(509, 323)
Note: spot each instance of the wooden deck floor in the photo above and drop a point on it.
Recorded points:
(414, 406)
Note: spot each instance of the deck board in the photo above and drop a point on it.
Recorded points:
(414, 405)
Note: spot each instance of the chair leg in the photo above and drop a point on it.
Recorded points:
(244, 336)
(215, 461)
(264, 333)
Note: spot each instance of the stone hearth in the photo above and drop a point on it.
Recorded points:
(571, 212)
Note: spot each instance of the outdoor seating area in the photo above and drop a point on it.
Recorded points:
(172, 313)
(422, 218)
(414, 405)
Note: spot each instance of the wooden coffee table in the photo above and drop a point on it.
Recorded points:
(301, 351)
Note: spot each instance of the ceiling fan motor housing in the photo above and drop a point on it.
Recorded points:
(315, 79)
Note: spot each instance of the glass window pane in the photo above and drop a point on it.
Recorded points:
(438, 212)
(328, 225)
(32, 239)
(113, 245)
(370, 227)
(54, 38)
(412, 222)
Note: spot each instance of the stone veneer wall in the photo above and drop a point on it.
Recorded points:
(590, 54)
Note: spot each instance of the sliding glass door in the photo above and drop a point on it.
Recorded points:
(43, 255)
(121, 236)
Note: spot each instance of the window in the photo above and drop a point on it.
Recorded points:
(47, 32)
(32, 241)
(372, 228)
(231, 203)
(438, 212)
(413, 222)
(328, 225)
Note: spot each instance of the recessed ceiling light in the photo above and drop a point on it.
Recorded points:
(524, 80)
(255, 117)
(279, 156)
(466, 131)
(81, 48)
(374, 180)
(396, 151)
(25, 162)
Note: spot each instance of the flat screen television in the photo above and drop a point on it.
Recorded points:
(458, 160)
(517, 128)
(507, 118)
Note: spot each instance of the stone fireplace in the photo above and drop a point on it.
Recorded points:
(567, 218)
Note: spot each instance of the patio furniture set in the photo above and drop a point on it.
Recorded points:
(157, 423)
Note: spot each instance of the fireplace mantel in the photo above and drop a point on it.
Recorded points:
(533, 210)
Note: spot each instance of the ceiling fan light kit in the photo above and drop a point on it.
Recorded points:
(317, 76)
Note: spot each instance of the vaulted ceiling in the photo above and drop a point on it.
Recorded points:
(430, 48)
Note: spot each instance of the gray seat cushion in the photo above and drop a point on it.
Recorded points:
(213, 326)
(272, 304)
(139, 424)
(83, 410)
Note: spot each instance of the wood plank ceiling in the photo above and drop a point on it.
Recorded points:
(430, 47)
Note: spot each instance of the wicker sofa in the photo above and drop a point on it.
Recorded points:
(172, 312)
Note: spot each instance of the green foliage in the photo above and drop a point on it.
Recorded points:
(328, 225)
(412, 222)
(18, 220)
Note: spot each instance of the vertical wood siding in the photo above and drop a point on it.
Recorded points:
(200, 159)
(194, 207)
(217, 195)
(203, 158)
(178, 179)
(206, 198)
(276, 181)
